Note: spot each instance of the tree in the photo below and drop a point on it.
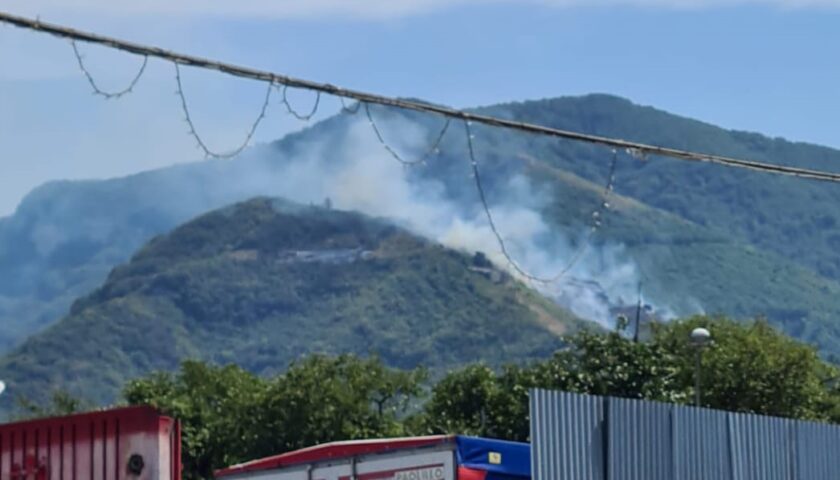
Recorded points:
(61, 403)
(229, 415)
(478, 400)
(462, 401)
(323, 399)
(751, 367)
(610, 364)
(217, 407)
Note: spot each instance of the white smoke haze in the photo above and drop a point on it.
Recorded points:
(357, 173)
(353, 170)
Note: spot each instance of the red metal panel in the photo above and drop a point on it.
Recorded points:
(134, 443)
(465, 473)
(334, 450)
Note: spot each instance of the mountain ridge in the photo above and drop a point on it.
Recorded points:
(788, 220)
(263, 282)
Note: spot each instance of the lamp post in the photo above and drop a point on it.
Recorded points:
(700, 338)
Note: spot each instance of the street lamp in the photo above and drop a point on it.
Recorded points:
(700, 338)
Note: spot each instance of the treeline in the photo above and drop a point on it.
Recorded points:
(230, 415)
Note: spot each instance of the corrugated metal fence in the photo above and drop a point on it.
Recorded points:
(584, 437)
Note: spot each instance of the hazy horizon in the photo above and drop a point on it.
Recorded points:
(749, 65)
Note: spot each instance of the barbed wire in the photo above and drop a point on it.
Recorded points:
(295, 113)
(596, 217)
(433, 150)
(194, 133)
(92, 82)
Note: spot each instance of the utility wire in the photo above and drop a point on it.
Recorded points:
(92, 82)
(433, 150)
(596, 217)
(192, 130)
(346, 109)
(275, 78)
(295, 113)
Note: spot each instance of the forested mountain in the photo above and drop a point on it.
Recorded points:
(264, 282)
(698, 237)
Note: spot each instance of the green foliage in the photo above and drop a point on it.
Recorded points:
(60, 403)
(229, 415)
(261, 283)
(610, 364)
(688, 227)
(325, 398)
(478, 400)
(704, 238)
(215, 406)
(753, 368)
(750, 368)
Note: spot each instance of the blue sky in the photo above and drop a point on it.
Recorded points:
(767, 66)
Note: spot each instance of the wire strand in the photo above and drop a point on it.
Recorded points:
(92, 82)
(295, 113)
(194, 133)
(275, 78)
(346, 109)
(596, 218)
(435, 148)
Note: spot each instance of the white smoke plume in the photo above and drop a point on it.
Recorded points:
(351, 168)
(356, 173)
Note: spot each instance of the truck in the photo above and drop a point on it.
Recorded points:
(139, 443)
(441, 457)
(135, 443)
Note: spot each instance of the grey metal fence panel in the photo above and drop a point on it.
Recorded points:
(639, 445)
(579, 437)
(762, 448)
(817, 451)
(701, 444)
(567, 436)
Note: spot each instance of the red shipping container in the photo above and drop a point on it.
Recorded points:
(134, 443)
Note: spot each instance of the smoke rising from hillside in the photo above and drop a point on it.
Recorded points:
(356, 173)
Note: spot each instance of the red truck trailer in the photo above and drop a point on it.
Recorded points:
(134, 443)
(415, 458)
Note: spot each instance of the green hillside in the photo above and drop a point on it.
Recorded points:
(685, 266)
(793, 217)
(66, 236)
(264, 282)
(701, 237)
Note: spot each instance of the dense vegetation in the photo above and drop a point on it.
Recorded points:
(230, 415)
(704, 238)
(264, 282)
(735, 242)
